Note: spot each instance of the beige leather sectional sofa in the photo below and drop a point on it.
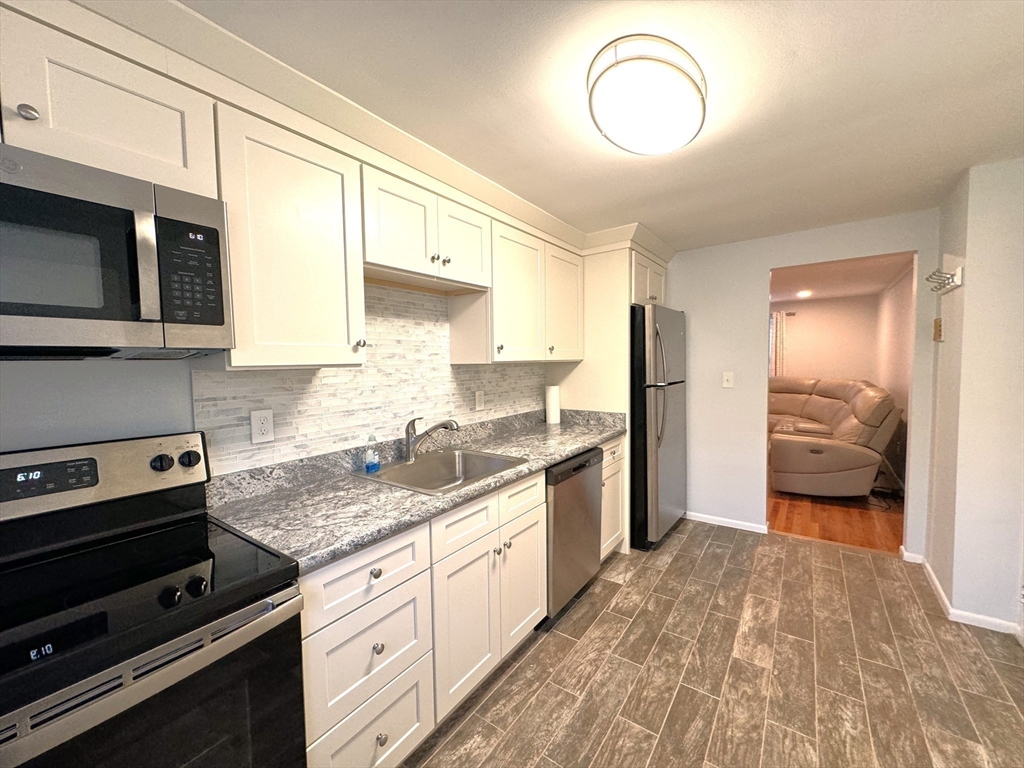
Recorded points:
(827, 435)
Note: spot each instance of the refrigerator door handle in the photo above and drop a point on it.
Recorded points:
(661, 349)
(664, 412)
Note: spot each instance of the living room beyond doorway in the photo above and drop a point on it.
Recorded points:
(840, 361)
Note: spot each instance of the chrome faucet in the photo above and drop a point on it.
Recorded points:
(412, 440)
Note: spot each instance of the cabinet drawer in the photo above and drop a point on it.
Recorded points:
(521, 497)
(340, 664)
(339, 588)
(453, 530)
(401, 715)
(613, 450)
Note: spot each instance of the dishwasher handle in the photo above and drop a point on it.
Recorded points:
(559, 473)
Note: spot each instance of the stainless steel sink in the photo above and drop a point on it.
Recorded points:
(440, 472)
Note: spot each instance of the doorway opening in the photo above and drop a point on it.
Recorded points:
(840, 360)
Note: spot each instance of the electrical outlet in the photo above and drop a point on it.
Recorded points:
(262, 425)
(479, 399)
(727, 381)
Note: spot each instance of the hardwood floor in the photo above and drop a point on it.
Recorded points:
(856, 521)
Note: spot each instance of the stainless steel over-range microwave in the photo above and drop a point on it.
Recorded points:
(95, 264)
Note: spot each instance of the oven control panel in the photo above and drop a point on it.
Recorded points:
(50, 479)
(191, 284)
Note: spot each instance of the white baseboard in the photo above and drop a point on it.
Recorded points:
(728, 522)
(910, 557)
(966, 617)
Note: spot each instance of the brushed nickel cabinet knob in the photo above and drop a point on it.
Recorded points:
(28, 112)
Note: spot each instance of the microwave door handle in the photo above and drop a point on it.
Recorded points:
(148, 266)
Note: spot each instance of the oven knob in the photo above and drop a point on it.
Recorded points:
(190, 459)
(161, 463)
(196, 586)
(170, 597)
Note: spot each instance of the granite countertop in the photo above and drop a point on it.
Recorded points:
(317, 511)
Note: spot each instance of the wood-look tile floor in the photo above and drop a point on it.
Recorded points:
(739, 650)
(860, 521)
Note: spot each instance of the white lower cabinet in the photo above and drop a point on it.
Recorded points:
(613, 502)
(524, 576)
(347, 662)
(467, 620)
(384, 730)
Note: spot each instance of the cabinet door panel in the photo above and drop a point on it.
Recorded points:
(612, 505)
(295, 239)
(464, 243)
(517, 298)
(524, 582)
(641, 279)
(564, 314)
(656, 283)
(467, 620)
(400, 222)
(100, 110)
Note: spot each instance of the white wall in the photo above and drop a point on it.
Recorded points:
(831, 338)
(946, 406)
(990, 458)
(43, 404)
(724, 290)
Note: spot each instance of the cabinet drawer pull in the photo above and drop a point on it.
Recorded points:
(28, 112)
(500, 347)
(378, 648)
(551, 349)
(375, 573)
(382, 739)
(508, 545)
(497, 550)
(446, 261)
(434, 258)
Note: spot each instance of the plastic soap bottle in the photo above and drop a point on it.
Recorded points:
(372, 458)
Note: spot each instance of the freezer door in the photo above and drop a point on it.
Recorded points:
(666, 458)
(666, 345)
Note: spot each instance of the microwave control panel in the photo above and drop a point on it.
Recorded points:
(191, 284)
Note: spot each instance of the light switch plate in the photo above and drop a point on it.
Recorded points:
(726, 379)
(262, 425)
(479, 399)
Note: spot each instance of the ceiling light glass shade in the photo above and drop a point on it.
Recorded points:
(647, 95)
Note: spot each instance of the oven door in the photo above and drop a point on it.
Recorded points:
(234, 701)
(78, 259)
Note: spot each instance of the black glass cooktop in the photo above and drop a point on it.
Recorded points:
(69, 614)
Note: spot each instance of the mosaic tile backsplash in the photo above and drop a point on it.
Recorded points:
(407, 373)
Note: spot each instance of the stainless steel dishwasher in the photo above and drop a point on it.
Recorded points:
(574, 526)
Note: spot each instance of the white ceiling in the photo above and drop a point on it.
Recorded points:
(833, 279)
(818, 112)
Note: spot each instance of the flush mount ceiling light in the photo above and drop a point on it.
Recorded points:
(646, 95)
(803, 294)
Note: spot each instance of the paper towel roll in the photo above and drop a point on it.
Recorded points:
(551, 405)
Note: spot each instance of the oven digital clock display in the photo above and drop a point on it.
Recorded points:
(25, 482)
(52, 642)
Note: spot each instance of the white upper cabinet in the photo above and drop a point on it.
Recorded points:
(648, 280)
(464, 244)
(100, 110)
(295, 246)
(412, 230)
(564, 312)
(400, 223)
(518, 295)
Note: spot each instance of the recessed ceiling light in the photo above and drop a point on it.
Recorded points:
(803, 294)
(646, 95)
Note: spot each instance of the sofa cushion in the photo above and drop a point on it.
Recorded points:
(803, 427)
(786, 403)
(836, 389)
(821, 409)
(791, 385)
(871, 405)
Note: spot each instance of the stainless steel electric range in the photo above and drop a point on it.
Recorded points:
(135, 629)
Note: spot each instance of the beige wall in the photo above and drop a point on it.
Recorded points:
(831, 338)
(895, 349)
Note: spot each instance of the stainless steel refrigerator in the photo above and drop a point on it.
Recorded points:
(657, 422)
